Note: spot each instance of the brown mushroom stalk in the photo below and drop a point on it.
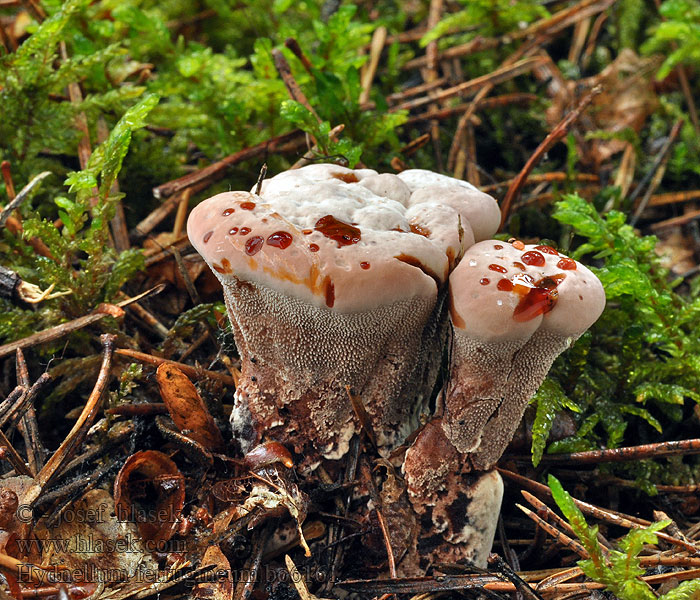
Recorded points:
(332, 278)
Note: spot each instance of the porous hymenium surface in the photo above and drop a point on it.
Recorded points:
(294, 389)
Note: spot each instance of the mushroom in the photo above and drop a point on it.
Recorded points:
(332, 278)
(514, 309)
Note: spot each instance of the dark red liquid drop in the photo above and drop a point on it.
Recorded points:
(228, 211)
(519, 265)
(505, 285)
(364, 265)
(307, 231)
(247, 205)
(253, 245)
(420, 229)
(207, 235)
(533, 258)
(280, 239)
(233, 231)
(538, 300)
(567, 264)
(342, 233)
(498, 268)
(497, 247)
(547, 250)
(484, 281)
(313, 247)
(245, 230)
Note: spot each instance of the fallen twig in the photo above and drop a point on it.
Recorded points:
(474, 85)
(655, 173)
(79, 430)
(53, 333)
(287, 142)
(559, 131)
(186, 369)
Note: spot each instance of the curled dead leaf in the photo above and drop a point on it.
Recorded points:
(150, 491)
(218, 583)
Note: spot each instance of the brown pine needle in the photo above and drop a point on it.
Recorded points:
(555, 533)
(559, 131)
(628, 453)
(608, 516)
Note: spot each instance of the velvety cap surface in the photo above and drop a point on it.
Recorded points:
(345, 239)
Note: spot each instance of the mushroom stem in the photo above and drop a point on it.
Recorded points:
(489, 390)
(456, 503)
(295, 389)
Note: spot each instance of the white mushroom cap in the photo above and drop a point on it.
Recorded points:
(475, 207)
(331, 243)
(514, 308)
(389, 186)
(313, 174)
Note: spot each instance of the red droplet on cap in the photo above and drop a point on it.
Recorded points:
(505, 285)
(253, 245)
(533, 258)
(498, 268)
(247, 205)
(484, 281)
(538, 300)
(342, 233)
(207, 235)
(547, 250)
(279, 239)
(228, 211)
(567, 264)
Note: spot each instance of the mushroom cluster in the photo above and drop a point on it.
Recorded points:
(341, 281)
(335, 281)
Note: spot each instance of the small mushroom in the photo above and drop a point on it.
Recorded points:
(514, 309)
(328, 284)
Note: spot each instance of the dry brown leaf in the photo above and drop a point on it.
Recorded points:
(186, 407)
(89, 540)
(627, 100)
(219, 582)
